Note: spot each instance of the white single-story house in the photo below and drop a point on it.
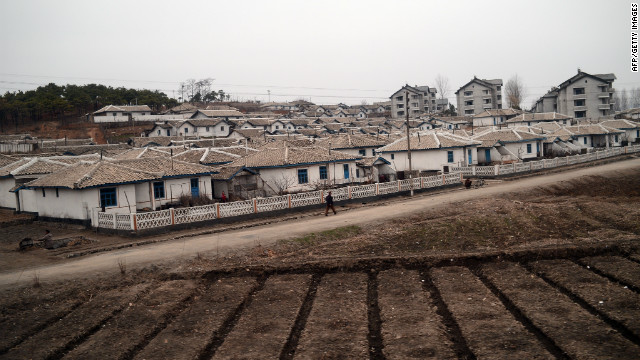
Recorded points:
(504, 145)
(120, 113)
(631, 130)
(205, 128)
(592, 135)
(430, 151)
(285, 169)
(494, 117)
(125, 186)
(532, 119)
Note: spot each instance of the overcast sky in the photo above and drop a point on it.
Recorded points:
(325, 51)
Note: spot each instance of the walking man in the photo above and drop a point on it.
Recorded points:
(329, 200)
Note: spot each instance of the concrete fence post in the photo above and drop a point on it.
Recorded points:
(255, 206)
(496, 170)
(173, 216)
(377, 189)
(289, 200)
(349, 191)
(218, 210)
(473, 170)
(443, 181)
(115, 221)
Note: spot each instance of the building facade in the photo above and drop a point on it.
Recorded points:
(583, 97)
(422, 100)
(479, 95)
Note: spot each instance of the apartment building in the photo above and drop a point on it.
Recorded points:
(422, 100)
(479, 95)
(583, 96)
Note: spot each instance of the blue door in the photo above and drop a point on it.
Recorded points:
(487, 155)
(346, 170)
(195, 188)
(470, 158)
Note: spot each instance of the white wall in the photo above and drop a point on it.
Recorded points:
(520, 150)
(110, 118)
(430, 160)
(335, 175)
(7, 199)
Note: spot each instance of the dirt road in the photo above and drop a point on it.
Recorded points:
(106, 263)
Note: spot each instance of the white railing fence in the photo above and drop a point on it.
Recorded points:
(162, 218)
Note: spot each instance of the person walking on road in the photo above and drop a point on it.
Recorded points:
(329, 200)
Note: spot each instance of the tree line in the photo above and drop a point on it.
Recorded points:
(62, 102)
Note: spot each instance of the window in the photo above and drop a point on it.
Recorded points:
(468, 93)
(400, 106)
(578, 102)
(323, 173)
(486, 92)
(392, 156)
(186, 130)
(578, 91)
(450, 156)
(345, 167)
(44, 194)
(487, 101)
(362, 152)
(414, 105)
(158, 132)
(414, 96)
(580, 114)
(357, 173)
(498, 88)
(158, 190)
(115, 114)
(400, 113)
(468, 103)
(399, 98)
(277, 127)
(108, 197)
(615, 137)
(529, 149)
(206, 129)
(499, 97)
(58, 195)
(168, 132)
(303, 177)
(222, 128)
(584, 139)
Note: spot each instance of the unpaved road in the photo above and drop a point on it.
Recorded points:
(106, 263)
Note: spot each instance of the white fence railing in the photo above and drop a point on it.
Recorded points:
(162, 218)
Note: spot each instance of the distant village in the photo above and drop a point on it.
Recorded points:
(195, 155)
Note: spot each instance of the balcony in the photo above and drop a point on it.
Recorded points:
(487, 106)
(603, 95)
(579, 96)
(579, 108)
(604, 106)
(469, 107)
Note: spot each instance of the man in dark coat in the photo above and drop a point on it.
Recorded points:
(329, 200)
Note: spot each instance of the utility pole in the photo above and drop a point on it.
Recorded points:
(406, 93)
(269, 93)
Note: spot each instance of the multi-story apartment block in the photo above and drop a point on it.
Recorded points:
(583, 96)
(479, 95)
(422, 100)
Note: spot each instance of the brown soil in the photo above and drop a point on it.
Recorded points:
(554, 272)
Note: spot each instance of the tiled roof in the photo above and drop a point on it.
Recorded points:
(550, 116)
(490, 137)
(6, 160)
(84, 175)
(595, 129)
(166, 166)
(498, 112)
(123, 108)
(621, 124)
(204, 122)
(348, 141)
(31, 166)
(219, 113)
(290, 156)
(227, 172)
(429, 141)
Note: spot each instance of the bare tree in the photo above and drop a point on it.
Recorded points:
(624, 100)
(442, 85)
(515, 92)
(634, 98)
(616, 101)
(283, 183)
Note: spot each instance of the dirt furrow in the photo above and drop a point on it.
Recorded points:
(78, 325)
(265, 325)
(616, 268)
(488, 327)
(337, 326)
(121, 335)
(411, 329)
(617, 306)
(190, 332)
(577, 332)
(19, 326)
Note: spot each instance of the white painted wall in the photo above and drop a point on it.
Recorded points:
(430, 160)
(7, 199)
(335, 175)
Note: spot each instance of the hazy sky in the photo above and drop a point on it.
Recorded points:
(325, 51)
